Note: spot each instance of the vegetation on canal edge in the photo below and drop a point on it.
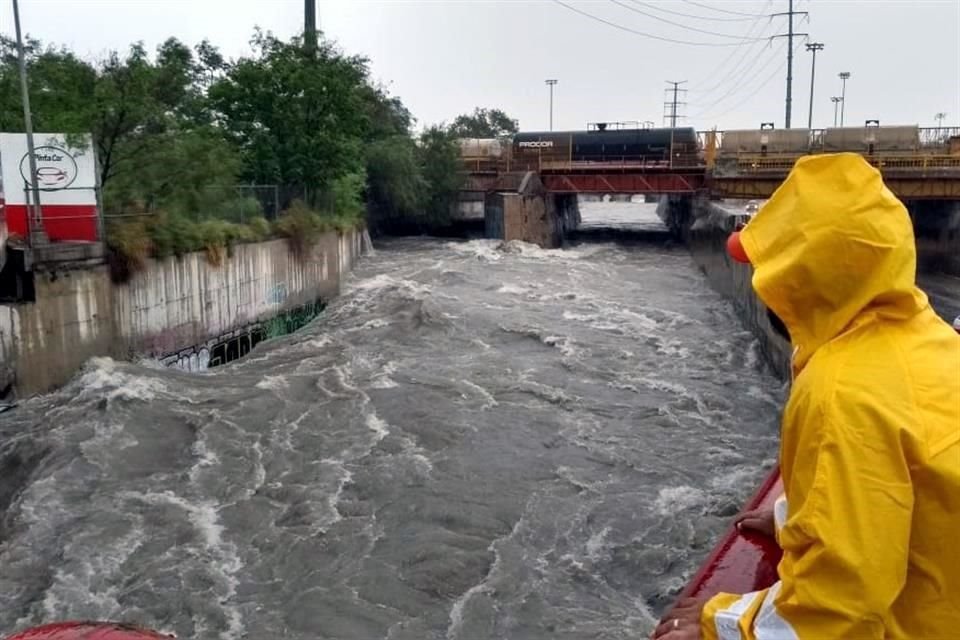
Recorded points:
(133, 241)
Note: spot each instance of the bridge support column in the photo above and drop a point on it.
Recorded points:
(936, 227)
(531, 214)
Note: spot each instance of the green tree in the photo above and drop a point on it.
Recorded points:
(484, 123)
(440, 166)
(396, 188)
(297, 119)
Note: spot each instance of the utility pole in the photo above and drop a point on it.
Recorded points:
(813, 47)
(670, 106)
(551, 83)
(789, 35)
(836, 100)
(310, 25)
(32, 192)
(844, 76)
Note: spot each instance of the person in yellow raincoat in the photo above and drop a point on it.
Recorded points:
(870, 445)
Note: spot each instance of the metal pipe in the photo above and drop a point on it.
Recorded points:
(551, 83)
(836, 100)
(33, 203)
(844, 75)
(813, 47)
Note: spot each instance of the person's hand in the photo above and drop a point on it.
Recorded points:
(683, 622)
(759, 520)
(683, 631)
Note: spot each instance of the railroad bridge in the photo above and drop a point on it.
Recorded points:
(527, 188)
(917, 163)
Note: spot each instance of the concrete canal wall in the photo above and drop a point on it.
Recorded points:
(182, 311)
(707, 226)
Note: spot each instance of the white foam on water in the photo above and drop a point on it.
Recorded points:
(273, 383)
(753, 356)
(595, 544)
(512, 289)
(734, 480)
(376, 323)
(379, 427)
(102, 374)
(488, 400)
(82, 592)
(382, 379)
(318, 343)
(670, 500)
(108, 439)
(259, 471)
(456, 611)
(480, 249)
(563, 343)
(204, 457)
(332, 500)
(204, 517)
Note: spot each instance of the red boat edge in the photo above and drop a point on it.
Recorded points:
(741, 562)
(88, 631)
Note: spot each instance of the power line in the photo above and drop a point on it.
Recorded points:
(790, 35)
(712, 74)
(682, 26)
(670, 106)
(736, 89)
(750, 56)
(766, 81)
(688, 15)
(646, 35)
(706, 6)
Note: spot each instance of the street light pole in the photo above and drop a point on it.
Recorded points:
(551, 82)
(32, 193)
(844, 76)
(940, 117)
(836, 100)
(813, 47)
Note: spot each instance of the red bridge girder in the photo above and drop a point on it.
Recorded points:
(661, 182)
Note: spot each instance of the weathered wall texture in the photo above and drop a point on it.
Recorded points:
(936, 226)
(43, 343)
(537, 218)
(172, 305)
(706, 236)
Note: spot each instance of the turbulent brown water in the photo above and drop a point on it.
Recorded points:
(475, 441)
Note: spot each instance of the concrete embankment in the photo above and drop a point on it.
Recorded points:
(183, 311)
(706, 230)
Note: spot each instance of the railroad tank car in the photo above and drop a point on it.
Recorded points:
(872, 139)
(480, 147)
(765, 141)
(646, 145)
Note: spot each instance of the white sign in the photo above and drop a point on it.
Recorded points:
(66, 174)
(56, 167)
(535, 144)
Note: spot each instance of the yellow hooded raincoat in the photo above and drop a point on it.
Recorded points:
(870, 449)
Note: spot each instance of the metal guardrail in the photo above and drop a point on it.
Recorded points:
(781, 163)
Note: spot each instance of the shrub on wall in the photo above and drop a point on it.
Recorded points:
(303, 226)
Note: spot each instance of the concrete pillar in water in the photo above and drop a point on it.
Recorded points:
(936, 226)
(531, 214)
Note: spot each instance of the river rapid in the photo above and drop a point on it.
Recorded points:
(476, 440)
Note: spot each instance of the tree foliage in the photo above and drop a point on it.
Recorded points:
(484, 123)
(177, 128)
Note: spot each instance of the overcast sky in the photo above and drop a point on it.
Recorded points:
(444, 57)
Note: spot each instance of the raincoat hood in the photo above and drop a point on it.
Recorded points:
(831, 248)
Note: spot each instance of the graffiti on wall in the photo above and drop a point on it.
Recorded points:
(236, 344)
